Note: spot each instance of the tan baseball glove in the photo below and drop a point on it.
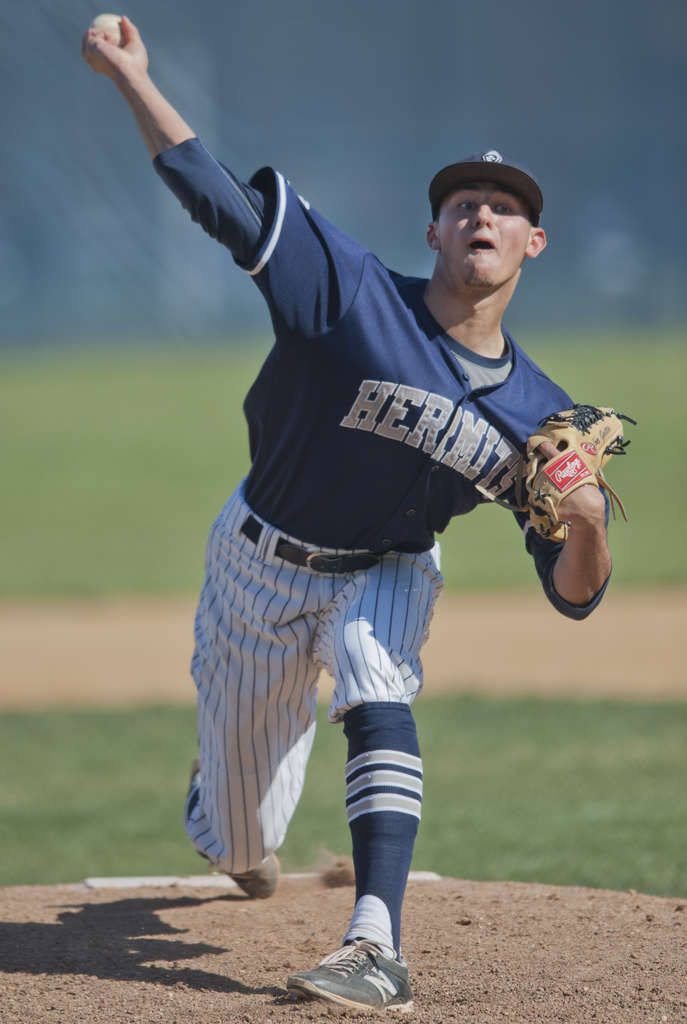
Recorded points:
(585, 438)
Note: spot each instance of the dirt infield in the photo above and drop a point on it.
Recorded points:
(480, 953)
(137, 650)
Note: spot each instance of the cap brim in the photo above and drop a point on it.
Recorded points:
(452, 177)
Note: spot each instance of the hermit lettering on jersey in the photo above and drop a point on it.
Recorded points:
(470, 445)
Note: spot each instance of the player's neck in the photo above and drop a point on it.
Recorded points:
(470, 315)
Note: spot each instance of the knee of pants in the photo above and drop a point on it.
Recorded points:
(242, 816)
(229, 845)
(366, 670)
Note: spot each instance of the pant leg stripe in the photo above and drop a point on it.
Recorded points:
(392, 604)
(360, 632)
(209, 735)
(222, 812)
(259, 855)
(375, 621)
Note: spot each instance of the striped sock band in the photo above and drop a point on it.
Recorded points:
(383, 780)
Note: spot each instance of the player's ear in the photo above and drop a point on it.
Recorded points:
(536, 244)
(433, 237)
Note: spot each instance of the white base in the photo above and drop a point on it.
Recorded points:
(210, 881)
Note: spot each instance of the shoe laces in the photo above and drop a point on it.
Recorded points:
(350, 957)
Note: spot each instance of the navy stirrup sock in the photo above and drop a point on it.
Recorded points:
(383, 800)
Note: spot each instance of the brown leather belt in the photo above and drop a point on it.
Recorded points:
(318, 561)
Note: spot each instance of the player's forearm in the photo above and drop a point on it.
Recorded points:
(584, 563)
(160, 124)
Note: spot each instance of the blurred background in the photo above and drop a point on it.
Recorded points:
(359, 104)
(128, 340)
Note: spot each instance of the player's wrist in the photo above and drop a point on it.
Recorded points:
(588, 530)
(584, 510)
(132, 81)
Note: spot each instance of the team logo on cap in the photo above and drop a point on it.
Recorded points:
(492, 157)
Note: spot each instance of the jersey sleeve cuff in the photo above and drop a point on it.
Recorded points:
(268, 181)
(168, 154)
(572, 611)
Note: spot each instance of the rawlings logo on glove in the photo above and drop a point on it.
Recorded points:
(586, 438)
(565, 472)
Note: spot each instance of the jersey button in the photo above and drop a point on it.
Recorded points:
(410, 512)
(386, 543)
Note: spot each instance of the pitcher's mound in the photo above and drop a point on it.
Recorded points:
(478, 952)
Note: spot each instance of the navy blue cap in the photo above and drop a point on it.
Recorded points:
(489, 166)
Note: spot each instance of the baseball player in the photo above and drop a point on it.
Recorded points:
(387, 405)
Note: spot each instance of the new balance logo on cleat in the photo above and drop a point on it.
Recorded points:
(357, 976)
(382, 983)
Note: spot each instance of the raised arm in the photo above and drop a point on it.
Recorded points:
(307, 270)
(227, 209)
(127, 66)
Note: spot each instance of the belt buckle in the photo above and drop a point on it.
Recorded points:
(313, 555)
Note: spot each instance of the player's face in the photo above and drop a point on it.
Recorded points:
(482, 235)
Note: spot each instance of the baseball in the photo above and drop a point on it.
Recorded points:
(110, 26)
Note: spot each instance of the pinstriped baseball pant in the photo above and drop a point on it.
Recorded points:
(264, 628)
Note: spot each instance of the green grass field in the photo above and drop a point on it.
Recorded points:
(116, 461)
(588, 793)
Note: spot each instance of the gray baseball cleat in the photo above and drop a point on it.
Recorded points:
(357, 976)
(259, 883)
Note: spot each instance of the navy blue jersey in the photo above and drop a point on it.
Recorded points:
(364, 432)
